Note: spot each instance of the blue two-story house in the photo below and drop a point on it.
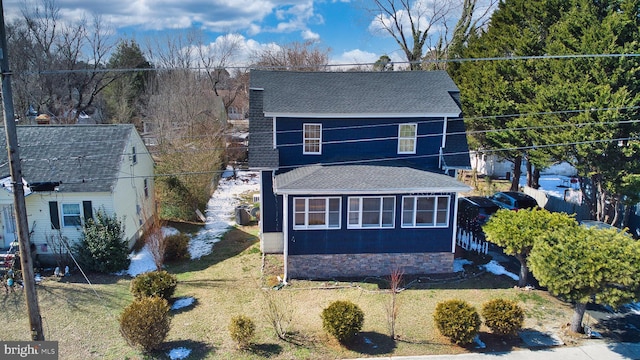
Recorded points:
(357, 170)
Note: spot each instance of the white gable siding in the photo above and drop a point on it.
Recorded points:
(129, 197)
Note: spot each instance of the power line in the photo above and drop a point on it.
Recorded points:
(362, 161)
(335, 65)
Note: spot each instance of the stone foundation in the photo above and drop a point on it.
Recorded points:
(362, 265)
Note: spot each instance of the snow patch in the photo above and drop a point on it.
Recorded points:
(495, 268)
(179, 353)
(458, 264)
(182, 303)
(220, 212)
(141, 262)
(479, 343)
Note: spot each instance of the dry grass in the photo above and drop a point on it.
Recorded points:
(83, 318)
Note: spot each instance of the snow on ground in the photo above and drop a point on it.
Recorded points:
(220, 211)
(179, 353)
(220, 215)
(495, 268)
(458, 264)
(141, 262)
(182, 303)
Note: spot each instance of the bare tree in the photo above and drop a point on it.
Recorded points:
(424, 25)
(215, 58)
(60, 64)
(393, 307)
(306, 56)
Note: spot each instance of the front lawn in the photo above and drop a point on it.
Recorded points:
(83, 317)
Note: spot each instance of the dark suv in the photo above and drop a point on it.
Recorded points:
(475, 209)
(514, 200)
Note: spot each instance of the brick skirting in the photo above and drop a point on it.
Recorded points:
(360, 265)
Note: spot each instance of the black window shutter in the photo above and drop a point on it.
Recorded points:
(55, 217)
(88, 210)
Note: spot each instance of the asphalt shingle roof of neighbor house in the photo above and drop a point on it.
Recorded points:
(83, 158)
(385, 92)
(340, 179)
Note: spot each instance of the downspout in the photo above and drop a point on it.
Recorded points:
(285, 232)
(455, 223)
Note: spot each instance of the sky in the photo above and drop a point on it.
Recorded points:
(344, 26)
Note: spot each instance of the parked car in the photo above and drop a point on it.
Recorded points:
(514, 200)
(475, 208)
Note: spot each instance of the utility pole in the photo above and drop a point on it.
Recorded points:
(26, 263)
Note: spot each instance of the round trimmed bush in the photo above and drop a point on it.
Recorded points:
(503, 317)
(154, 283)
(343, 320)
(242, 329)
(176, 247)
(145, 322)
(457, 320)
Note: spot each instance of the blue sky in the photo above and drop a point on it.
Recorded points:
(344, 26)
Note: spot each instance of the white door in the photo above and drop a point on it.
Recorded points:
(8, 225)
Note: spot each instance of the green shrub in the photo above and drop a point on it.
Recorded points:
(154, 283)
(242, 329)
(177, 247)
(503, 317)
(145, 322)
(102, 247)
(343, 320)
(457, 320)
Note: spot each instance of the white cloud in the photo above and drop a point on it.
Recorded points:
(310, 35)
(355, 56)
(212, 15)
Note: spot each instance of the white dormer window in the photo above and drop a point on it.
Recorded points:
(312, 141)
(407, 134)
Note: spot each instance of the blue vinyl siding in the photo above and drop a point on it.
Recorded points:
(271, 211)
(344, 140)
(357, 241)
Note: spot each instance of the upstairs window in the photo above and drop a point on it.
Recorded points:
(407, 138)
(146, 188)
(425, 211)
(312, 139)
(134, 156)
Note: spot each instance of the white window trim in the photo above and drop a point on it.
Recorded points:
(360, 203)
(435, 212)
(326, 226)
(63, 215)
(415, 138)
(304, 140)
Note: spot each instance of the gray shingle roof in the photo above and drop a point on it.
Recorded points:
(354, 179)
(70, 154)
(388, 92)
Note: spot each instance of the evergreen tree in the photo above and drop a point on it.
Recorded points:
(124, 95)
(584, 265)
(517, 231)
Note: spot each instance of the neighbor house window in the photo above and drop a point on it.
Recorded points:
(145, 183)
(134, 156)
(316, 213)
(407, 138)
(71, 215)
(371, 212)
(425, 211)
(312, 138)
